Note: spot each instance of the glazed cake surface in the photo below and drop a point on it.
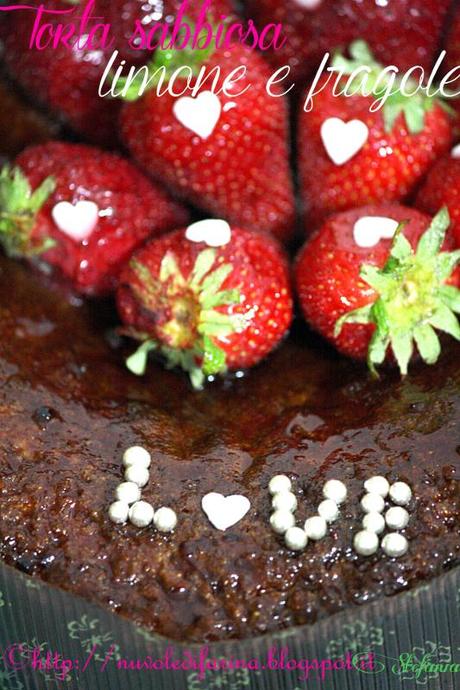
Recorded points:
(69, 408)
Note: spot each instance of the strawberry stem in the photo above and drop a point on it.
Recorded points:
(413, 298)
(187, 322)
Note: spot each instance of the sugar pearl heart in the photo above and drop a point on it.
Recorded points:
(342, 140)
(455, 153)
(200, 115)
(369, 230)
(215, 233)
(76, 221)
(225, 511)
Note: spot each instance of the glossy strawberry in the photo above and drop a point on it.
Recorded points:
(63, 80)
(225, 154)
(379, 157)
(370, 296)
(401, 32)
(442, 188)
(207, 309)
(42, 214)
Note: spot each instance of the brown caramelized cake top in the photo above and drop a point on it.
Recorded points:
(69, 408)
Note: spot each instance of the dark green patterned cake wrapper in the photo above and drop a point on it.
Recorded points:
(52, 639)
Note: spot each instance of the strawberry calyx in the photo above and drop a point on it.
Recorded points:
(164, 64)
(372, 80)
(413, 299)
(19, 206)
(186, 315)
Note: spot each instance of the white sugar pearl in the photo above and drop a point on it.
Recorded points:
(377, 485)
(335, 490)
(141, 514)
(165, 520)
(315, 528)
(366, 543)
(328, 510)
(395, 545)
(397, 518)
(372, 503)
(285, 500)
(136, 455)
(296, 539)
(118, 512)
(400, 493)
(279, 484)
(128, 492)
(137, 474)
(374, 522)
(281, 521)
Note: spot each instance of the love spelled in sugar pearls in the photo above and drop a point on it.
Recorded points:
(128, 505)
(285, 503)
(396, 518)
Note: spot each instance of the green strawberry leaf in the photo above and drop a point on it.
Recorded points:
(361, 316)
(214, 281)
(220, 299)
(427, 343)
(203, 264)
(432, 240)
(451, 297)
(213, 359)
(137, 362)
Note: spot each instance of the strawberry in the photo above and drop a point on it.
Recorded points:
(206, 308)
(442, 188)
(368, 295)
(314, 27)
(379, 157)
(228, 155)
(63, 80)
(82, 210)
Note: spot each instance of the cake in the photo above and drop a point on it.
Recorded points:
(69, 409)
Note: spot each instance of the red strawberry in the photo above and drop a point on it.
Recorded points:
(65, 81)
(205, 308)
(89, 243)
(442, 188)
(315, 27)
(387, 153)
(228, 155)
(366, 299)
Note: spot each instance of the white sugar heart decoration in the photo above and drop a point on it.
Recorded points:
(369, 230)
(76, 221)
(308, 4)
(455, 153)
(215, 233)
(200, 115)
(343, 140)
(225, 511)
